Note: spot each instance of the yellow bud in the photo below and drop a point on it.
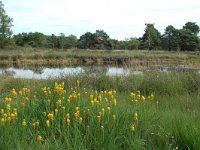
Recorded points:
(24, 122)
(67, 115)
(39, 138)
(2, 121)
(56, 111)
(136, 116)
(44, 113)
(68, 122)
(80, 120)
(47, 123)
(50, 116)
(8, 120)
(108, 109)
(133, 128)
(99, 118)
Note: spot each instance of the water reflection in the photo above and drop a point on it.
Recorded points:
(39, 72)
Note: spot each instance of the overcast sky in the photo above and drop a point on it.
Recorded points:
(118, 18)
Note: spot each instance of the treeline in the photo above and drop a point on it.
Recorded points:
(173, 39)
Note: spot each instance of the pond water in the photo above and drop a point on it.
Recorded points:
(45, 72)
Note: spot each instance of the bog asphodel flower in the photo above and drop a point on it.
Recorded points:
(47, 123)
(99, 118)
(39, 138)
(24, 122)
(2, 121)
(132, 127)
(68, 122)
(136, 116)
(108, 109)
(80, 120)
(50, 116)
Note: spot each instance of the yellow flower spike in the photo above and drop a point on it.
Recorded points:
(143, 99)
(102, 127)
(44, 113)
(102, 111)
(133, 127)
(48, 123)
(108, 109)
(132, 95)
(63, 110)
(68, 122)
(5, 115)
(8, 120)
(105, 92)
(67, 115)
(3, 121)
(56, 111)
(34, 126)
(77, 108)
(2, 112)
(50, 116)
(92, 102)
(79, 95)
(99, 118)
(80, 120)
(136, 116)
(76, 115)
(24, 122)
(14, 93)
(114, 118)
(12, 115)
(39, 138)
(114, 102)
(59, 102)
(14, 110)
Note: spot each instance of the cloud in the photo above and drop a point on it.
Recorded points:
(119, 18)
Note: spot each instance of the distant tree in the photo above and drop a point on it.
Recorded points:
(52, 41)
(151, 38)
(132, 43)
(61, 40)
(193, 27)
(188, 41)
(35, 39)
(98, 40)
(171, 39)
(71, 42)
(5, 27)
(102, 40)
(86, 41)
(115, 44)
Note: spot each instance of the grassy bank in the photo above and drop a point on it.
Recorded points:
(68, 57)
(152, 111)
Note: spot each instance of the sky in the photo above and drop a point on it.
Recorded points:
(120, 19)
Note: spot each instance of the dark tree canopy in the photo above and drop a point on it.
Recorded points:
(151, 38)
(5, 27)
(192, 26)
(170, 39)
